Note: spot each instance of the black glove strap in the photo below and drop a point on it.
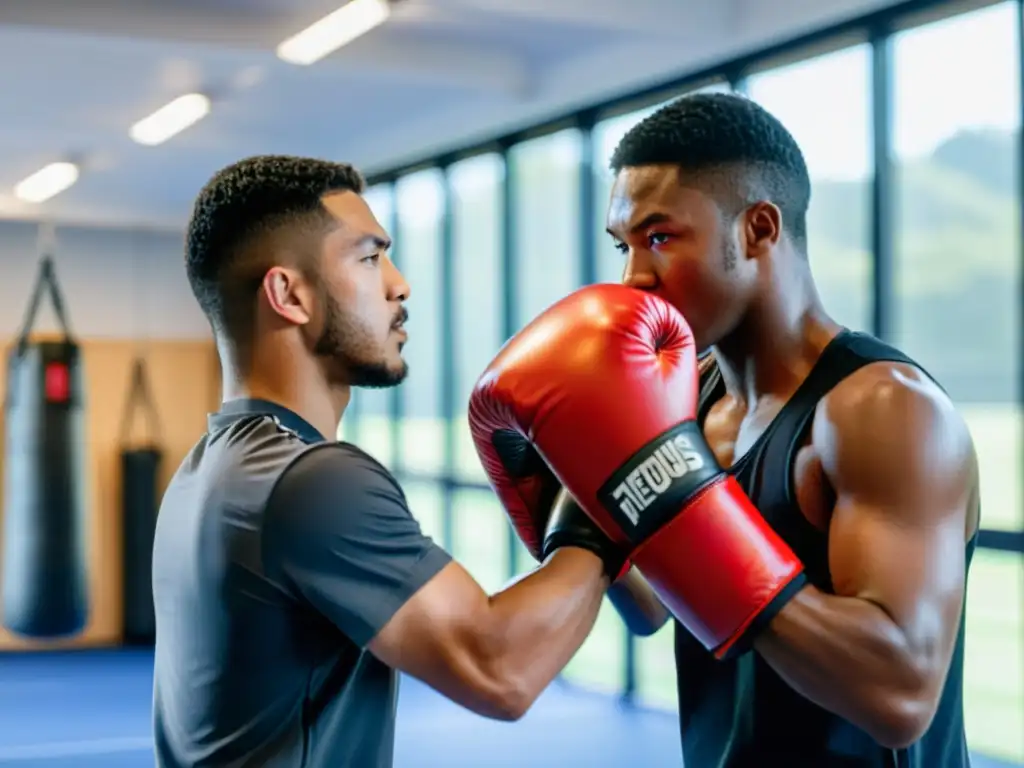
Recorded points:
(569, 526)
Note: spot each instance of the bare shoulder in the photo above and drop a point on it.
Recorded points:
(893, 399)
(887, 430)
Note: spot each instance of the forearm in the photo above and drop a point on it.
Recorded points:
(538, 623)
(640, 609)
(848, 656)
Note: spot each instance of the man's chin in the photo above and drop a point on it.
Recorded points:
(381, 375)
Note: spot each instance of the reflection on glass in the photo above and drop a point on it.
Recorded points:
(958, 242)
(476, 207)
(656, 669)
(600, 663)
(348, 429)
(419, 200)
(994, 661)
(426, 502)
(481, 531)
(546, 238)
(825, 103)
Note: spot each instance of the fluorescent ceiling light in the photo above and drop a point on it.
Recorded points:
(333, 31)
(171, 119)
(46, 182)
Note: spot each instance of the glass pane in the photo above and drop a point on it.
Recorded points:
(481, 533)
(419, 198)
(523, 561)
(825, 103)
(957, 230)
(656, 669)
(374, 424)
(600, 663)
(476, 207)
(348, 429)
(546, 240)
(607, 135)
(994, 663)
(426, 501)
(374, 433)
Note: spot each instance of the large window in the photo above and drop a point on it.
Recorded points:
(958, 239)
(958, 254)
(418, 242)
(600, 664)
(546, 242)
(476, 187)
(480, 527)
(656, 669)
(825, 103)
(348, 429)
(481, 536)
(373, 432)
(994, 658)
(426, 502)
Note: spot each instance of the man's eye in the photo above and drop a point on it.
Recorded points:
(373, 258)
(657, 238)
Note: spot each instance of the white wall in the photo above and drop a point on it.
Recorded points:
(117, 283)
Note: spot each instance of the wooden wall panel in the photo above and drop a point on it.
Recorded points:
(184, 378)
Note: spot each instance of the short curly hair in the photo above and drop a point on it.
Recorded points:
(710, 132)
(240, 205)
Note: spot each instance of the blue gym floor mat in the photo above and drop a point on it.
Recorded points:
(91, 709)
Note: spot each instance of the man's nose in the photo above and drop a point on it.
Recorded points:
(397, 288)
(639, 275)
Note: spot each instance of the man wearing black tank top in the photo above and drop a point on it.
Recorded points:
(850, 451)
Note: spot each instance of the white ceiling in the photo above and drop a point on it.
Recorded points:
(438, 75)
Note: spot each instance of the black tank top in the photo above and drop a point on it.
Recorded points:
(740, 713)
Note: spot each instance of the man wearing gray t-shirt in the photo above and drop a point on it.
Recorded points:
(291, 582)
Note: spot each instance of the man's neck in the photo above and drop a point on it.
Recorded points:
(306, 393)
(775, 346)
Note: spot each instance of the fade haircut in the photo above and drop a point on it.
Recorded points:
(734, 147)
(242, 205)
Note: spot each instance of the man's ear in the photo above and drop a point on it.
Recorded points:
(762, 228)
(288, 294)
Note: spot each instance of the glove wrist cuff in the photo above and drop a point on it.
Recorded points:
(615, 563)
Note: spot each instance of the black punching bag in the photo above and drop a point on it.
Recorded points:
(140, 501)
(44, 576)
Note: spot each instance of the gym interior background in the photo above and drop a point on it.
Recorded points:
(488, 163)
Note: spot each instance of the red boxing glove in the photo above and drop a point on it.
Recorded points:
(528, 489)
(605, 385)
(520, 478)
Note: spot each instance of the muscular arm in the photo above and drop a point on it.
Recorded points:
(344, 541)
(495, 655)
(902, 466)
(640, 609)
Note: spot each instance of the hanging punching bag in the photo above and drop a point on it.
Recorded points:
(140, 473)
(44, 577)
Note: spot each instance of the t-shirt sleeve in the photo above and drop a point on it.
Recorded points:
(340, 534)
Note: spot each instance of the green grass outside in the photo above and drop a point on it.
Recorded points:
(994, 671)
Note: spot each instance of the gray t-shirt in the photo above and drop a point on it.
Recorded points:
(278, 556)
